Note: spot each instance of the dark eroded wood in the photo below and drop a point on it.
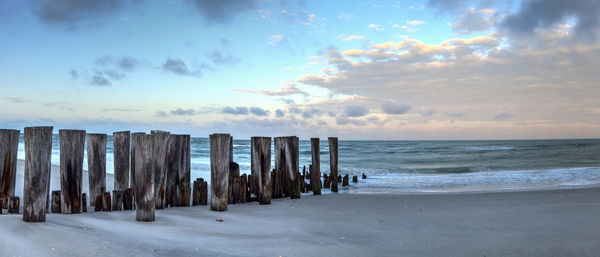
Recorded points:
(38, 150)
(72, 144)
(219, 171)
(261, 168)
(9, 143)
(96, 159)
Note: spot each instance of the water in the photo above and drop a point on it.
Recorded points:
(431, 166)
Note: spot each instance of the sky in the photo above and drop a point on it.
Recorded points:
(366, 70)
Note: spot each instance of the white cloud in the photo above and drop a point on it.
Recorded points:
(275, 40)
(353, 37)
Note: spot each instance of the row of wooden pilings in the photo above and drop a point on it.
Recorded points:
(160, 172)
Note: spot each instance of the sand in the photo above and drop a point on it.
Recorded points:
(534, 223)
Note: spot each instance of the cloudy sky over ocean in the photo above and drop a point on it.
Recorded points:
(354, 69)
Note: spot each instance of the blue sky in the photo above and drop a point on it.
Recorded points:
(355, 69)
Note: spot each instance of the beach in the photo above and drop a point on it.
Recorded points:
(563, 222)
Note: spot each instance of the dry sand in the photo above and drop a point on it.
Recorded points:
(535, 223)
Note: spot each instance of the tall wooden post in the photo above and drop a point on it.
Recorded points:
(333, 163)
(261, 168)
(186, 167)
(178, 171)
(231, 149)
(160, 169)
(315, 171)
(135, 137)
(38, 150)
(96, 158)
(144, 146)
(219, 171)
(292, 162)
(72, 143)
(121, 150)
(9, 144)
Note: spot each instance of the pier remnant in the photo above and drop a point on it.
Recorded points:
(144, 153)
(261, 168)
(219, 171)
(121, 150)
(117, 200)
(315, 171)
(72, 144)
(13, 204)
(83, 202)
(96, 159)
(56, 201)
(160, 167)
(9, 144)
(333, 163)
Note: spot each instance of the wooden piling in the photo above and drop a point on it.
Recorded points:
(354, 179)
(56, 201)
(219, 171)
(315, 172)
(83, 202)
(333, 163)
(99, 199)
(38, 150)
(135, 142)
(364, 176)
(96, 159)
(231, 149)
(159, 167)
(121, 150)
(72, 144)
(106, 202)
(244, 188)
(178, 170)
(292, 153)
(345, 181)
(128, 199)
(196, 193)
(261, 168)
(326, 181)
(9, 144)
(204, 192)
(117, 200)
(144, 149)
(13, 204)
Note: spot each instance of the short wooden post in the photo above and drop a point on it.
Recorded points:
(121, 150)
(106, 202)
(38, 150)
(72, 143)
(261, 168)
(333, 163)
(56, 201)
(234, 172)
(315, 172)
(326, 181)
(364, 176)
(144, 175)
(13, 204)
(83, 202)
(96, 159)
(244, 188)
(196, 193)
(345, 181)
(219, 171)
(99, 199)
(9, 144)
(117, 200)
(354, 179)
(128, 199)
(204, 193)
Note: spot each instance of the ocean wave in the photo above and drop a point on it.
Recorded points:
(488, 148)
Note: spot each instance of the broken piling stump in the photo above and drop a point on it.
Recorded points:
(9, 144)
(117, 200)
(121, 150)
(13, 204)
(345, 181)
(261, 168)
(364, 176)
(56, 201)
(128, 199)
(72, 144)
(219, 171)
(354, 179)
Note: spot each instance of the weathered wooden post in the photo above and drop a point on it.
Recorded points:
(196, 193)
(345, 181)
(128, 199)
(261, 168)
(96, 159)
(38, 150)
(354, 179)
(117, 200)
(13, 204)
(219, 171)
(121, 150)
(186, 167)
(231, 149)
(160, 169)
(178, 166)
(9, 144)
(244, 188)
(72, 144)
(364, 176)
(333, 163)
(315, 172)
(83, 202)
(56, 201)
(292, 153)
(106, 202)
(204, 192)
(144, 175)
(135, 142)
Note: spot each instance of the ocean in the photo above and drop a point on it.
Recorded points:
(429, 166)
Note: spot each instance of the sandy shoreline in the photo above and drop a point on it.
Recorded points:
(533, 223)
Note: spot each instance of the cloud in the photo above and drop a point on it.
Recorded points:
(219, 58)
(222, 11)
(376, 27)
(341, 120)
(122, 110)
(275, 40)
(289, 89)
(240, 110)
(353, 37)
(128, 64)
(500, 115)
(259, 111)
(183, 112)
(74, 74)
(426, 112)
(390, 107)
(311, 113)
(15, 99)
(455, 114)
(409, 25)
(74, 14)
(279, 113)
(355, 111)
(474, 20)
(311, 79)
(535, 14)
(177, 66)
(160, 114)
(100, 81)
